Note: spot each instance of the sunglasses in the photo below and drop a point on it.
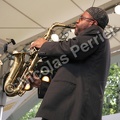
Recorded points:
(84, 18)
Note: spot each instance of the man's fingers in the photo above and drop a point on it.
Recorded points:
(32, 45)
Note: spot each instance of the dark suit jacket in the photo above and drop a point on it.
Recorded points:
(76, 91)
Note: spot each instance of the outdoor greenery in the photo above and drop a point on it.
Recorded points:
(111, 98)
(31, 114)
(112, 91)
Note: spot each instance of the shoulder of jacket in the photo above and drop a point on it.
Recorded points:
(93, 30)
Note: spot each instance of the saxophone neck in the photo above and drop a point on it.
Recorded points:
(47, 35)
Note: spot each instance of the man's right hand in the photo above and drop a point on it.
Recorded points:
(34, 81)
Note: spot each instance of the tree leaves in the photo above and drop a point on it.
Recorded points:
(111, 103)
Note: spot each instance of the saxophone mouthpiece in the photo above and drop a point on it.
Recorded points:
(72, 26)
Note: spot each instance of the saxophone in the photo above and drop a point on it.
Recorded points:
(16, 82)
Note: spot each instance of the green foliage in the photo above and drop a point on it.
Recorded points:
(111, 96)
(31, 114)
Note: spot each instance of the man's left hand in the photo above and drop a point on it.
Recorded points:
(38, 43)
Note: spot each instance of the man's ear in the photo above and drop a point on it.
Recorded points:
(95, 22)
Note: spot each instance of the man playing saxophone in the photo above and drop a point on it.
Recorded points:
(77, 89)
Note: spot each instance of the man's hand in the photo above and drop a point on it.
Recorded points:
(34, 81)
(38, 43)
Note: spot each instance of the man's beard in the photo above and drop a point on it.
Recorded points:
(77, 31)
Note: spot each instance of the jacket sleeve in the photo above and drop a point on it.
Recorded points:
(77, 48)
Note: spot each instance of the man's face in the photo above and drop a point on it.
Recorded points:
(84, 22)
